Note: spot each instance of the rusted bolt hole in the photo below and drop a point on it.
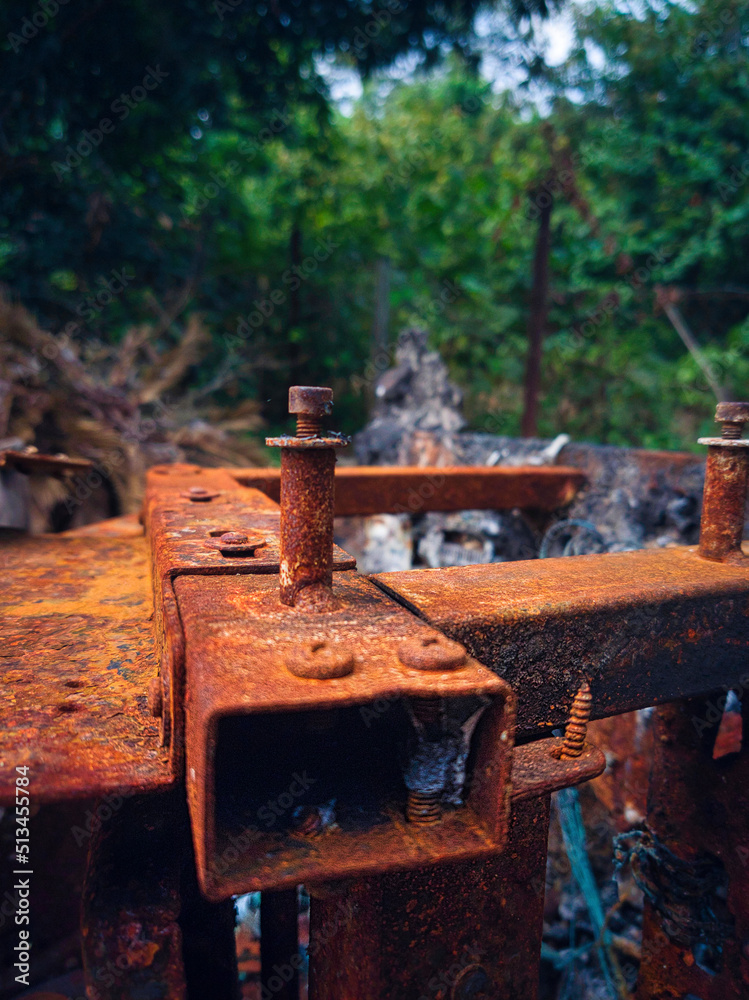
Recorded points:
(317, 646)
(67, 706)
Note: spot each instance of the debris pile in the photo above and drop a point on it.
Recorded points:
(111, 404)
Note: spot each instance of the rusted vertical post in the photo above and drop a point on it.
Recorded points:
(726, 478)
(307, 496)
(693, 861)
(460, 931)
(279, 944)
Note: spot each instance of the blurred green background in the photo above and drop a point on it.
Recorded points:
(245, 177)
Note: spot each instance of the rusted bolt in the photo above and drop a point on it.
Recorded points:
(431, 652)
(237, 543)
(577, 727)
(198, 494)
(472, 981)
(726, 478)
(307, 468)
(320, 660)
(155, 698)
(310, 403)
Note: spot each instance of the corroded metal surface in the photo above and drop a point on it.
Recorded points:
(645, 627)
(367, 489)
(77, 652)
(457, 931)
(694, 863)
(238, 637)
(185, 536)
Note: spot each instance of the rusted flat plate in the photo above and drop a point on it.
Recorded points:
(77, 651)
(645, 627)
(538, 770)
(31, 463)
(253, 727)
(365, 489)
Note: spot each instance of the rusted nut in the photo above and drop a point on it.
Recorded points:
(472, 981)
(320, 660)
(431, 652)
(236, 543)
(199, 494)
(155, 698)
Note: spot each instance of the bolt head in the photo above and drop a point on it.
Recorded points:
(311, 400)
(732, 413)
(320, 660)
(233, 538)
(431, 652)
(237, 543)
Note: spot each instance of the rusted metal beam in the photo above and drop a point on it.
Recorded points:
(459, 931)
(643, 627)
(78, 653)
(367, 489)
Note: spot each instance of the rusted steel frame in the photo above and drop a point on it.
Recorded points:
(146, 931)
(365, 489)
(694, 860)
(458, 931)
(238, 639)
(78, 654)
(644, 627)
(279, 944)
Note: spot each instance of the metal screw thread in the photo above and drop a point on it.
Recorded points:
(423, 808)
(308, 426)
(731, 431)
(577, 727)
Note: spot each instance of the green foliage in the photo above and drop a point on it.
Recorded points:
(235, 188)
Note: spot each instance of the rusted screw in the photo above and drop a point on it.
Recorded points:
(726, 478)
(431, 652)
(310, 403)
(155, 698)
(577, 727)
(424, 807)
(320, 660)
(307, 485)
